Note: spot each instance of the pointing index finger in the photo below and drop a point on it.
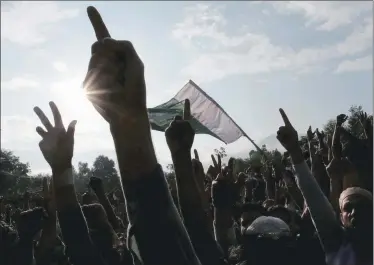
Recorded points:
(285, 118)
(97, 23)
(187, 110)
(196, 155)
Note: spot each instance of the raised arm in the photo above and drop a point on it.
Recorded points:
(57, 147)
(323, 146)
(319, 207)
(97, 185)
(115, 85)
(179, 137)
(48, 237)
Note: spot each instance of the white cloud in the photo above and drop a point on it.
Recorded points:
(360, 64)
(251, 53)
(18, 131)
(60, 66)
(19, 82)
(28, 23)
(326, 15)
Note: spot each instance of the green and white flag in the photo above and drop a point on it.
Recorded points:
(207, 116)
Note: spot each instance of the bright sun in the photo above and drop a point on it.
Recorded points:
(72, 101)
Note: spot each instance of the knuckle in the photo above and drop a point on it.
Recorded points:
(95, 47)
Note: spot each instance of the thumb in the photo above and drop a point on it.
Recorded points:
(71, 129)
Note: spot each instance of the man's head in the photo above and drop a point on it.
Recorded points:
(356, 209)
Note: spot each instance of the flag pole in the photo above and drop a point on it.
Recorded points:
(253, 142)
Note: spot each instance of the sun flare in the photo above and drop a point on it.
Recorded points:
(71, 98)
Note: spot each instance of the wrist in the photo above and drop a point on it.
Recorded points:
(180, 153)
(134, 147)
(297, 156)
(131, 123)
(62, 177)
(61, 168)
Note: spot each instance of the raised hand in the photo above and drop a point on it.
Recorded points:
(229, 170)
(340, 119)
(241, 179)
(320, 135)
(96, 184)
(180, 134)
(329, 140)
(363, 118)
(310, 134)
(57, 144)
(216, 169)
(115, 79)
(198, 169)
(287, 135)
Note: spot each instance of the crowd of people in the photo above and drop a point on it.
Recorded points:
(313, 208)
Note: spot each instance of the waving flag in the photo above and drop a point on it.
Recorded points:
(208, 116)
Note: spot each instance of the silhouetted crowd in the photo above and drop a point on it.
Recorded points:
(313, 207)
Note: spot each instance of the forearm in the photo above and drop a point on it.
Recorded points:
(187, 190)
(312, 151)
(223, 227)
(270, 189)
(75, 233)
(194, 216)
(72, 222)
(104, 201)
(153, 216)
(134, 148)
(320, 174)
(48, 237)
(248, 194)
(319, 207)
(336, 145)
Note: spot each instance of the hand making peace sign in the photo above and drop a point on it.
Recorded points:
(57, 143)
(115, 79)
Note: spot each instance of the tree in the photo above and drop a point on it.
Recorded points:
(84, 170)
(329, 127)
(12, 164)
(353, 124)
(220, 152)
(104, 168)
(82, 177)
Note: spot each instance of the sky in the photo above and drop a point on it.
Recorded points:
(313, 59)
